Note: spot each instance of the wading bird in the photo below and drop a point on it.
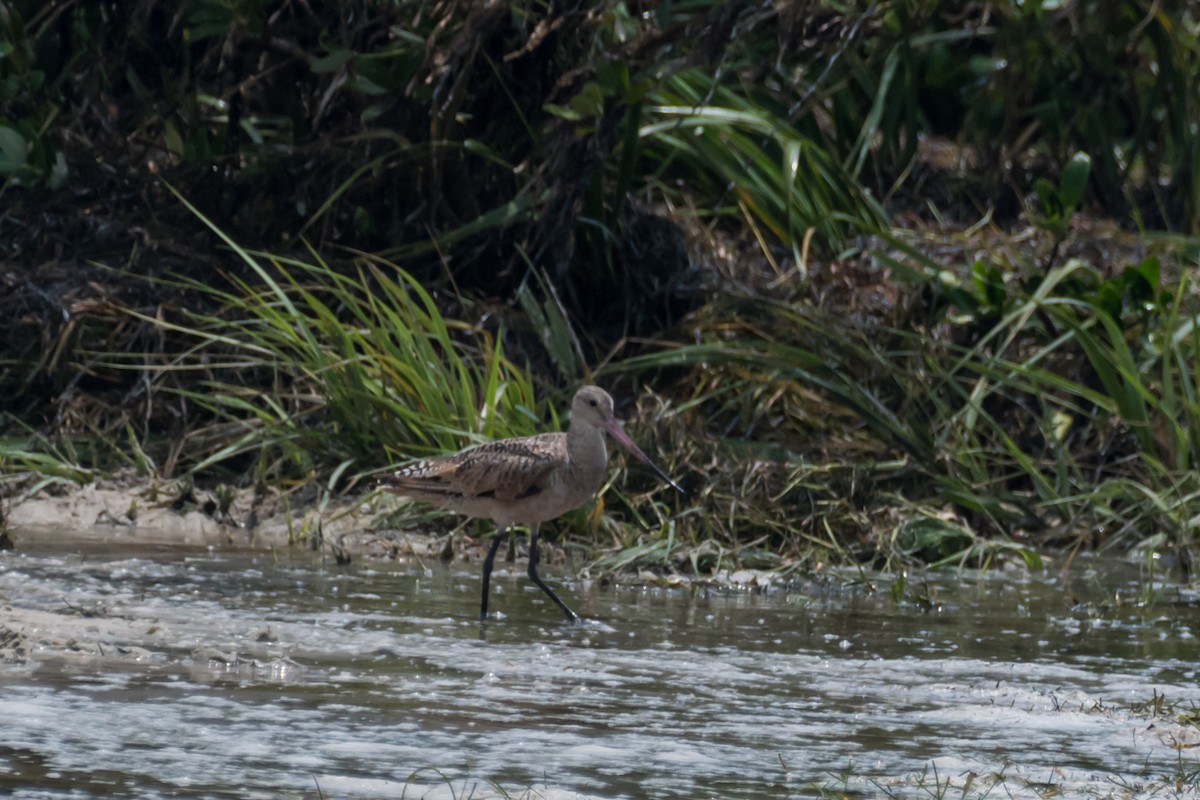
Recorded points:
(524, 481)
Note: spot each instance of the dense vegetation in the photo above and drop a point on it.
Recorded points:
(894, 281)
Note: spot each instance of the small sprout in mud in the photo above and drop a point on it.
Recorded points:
(1189, 716)
(225, 497)
(186, 499)
(315, 537)
(132, 512)
(341, 555)
(1154, 706)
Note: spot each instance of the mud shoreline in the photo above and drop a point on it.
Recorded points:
(126, 514)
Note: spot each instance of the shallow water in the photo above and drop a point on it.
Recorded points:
(223, 674)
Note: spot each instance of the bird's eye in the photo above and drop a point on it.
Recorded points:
(592, 403)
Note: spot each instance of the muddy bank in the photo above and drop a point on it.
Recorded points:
(131, 508)
(108, 517)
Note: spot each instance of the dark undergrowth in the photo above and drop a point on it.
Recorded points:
(880, 283)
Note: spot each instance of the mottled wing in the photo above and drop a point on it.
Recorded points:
(506, 469)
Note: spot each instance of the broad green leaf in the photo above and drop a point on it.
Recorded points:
(1074, 179)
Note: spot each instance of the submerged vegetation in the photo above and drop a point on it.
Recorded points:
(893, 284)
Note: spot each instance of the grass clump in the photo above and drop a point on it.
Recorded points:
(1016, 411)
(301, 370)
(31, 463)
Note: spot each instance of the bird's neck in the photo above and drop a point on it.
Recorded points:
(587, 452)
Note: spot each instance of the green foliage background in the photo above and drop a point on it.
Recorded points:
(909, 280)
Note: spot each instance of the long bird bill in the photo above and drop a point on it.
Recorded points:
(617, 432)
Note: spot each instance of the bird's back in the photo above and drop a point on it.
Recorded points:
(500, 480)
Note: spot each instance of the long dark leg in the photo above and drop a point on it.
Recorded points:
(487, 569)
(533, 576)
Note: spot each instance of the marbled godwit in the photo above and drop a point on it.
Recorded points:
(524, 481)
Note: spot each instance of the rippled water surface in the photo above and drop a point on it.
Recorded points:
(226, 674)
